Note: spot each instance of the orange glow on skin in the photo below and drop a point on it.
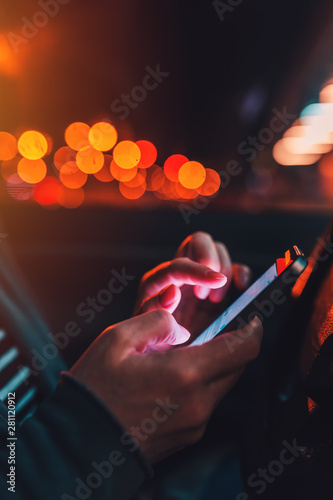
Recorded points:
(102, 136)
(211, 184)
(192, 175)
(76, 135)
(104, 175)
(71, 176)
(127, 154)
(148, 154)
(63, 155)
(31, 171)
(32, 145)
(48, 191)
(89, 160)
(121, 174)
(132, 193)
(8, 146)
(172, 166)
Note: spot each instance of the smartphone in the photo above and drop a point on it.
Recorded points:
(260, 299)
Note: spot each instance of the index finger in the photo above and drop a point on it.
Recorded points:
(228, 352)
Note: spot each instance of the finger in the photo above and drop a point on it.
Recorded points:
(228, 352)
(241, 276)
(200, 247)
(168, 299)
(148, 330)
(225, 268)
(180, 271)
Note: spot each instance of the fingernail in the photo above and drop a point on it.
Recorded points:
(182, 335)
(255, 322)
(216, 276)
(202, 292)
(167, 297)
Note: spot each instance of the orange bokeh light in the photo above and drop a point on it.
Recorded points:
(48, 191)
(192, 175)
(31, 171)
(212, 183)
(185, 193)
(172, 166)
(71, 198)
(32, 145)
(76, 135)
(9, 168)
(104, 175)
(148, 154)
(102, 136)
(63, 155)
(138, 180)
(155, 178)
(122, 174)
(127, 154)
(8, 146)
(89, 160)
(132, 193)
(282, 156)
(326, 95)
(71, 176)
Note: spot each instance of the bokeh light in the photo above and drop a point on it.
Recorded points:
(31, 171)
(122, 174)
(326, 95)
(127, 154)
(148, 154)
(172, 166)
(325, 166)
(19, 190)
(282, 156)
(192, 175)
(102, 136)
(48, 191)
(32, 145)
(138, 180)
(89, 160)
(9, 167)
(63, 155)
(8, 146)
(71, 198)
(155, 178)
(76, 135)
(184, 193)
(211, 184)
(132, 193)
(104, 175)
(71, 176)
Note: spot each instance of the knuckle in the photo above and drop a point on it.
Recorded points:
(188, 378)
(163, 317)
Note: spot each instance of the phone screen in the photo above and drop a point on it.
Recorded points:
(237, 307)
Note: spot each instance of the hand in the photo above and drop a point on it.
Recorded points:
(185, 287)
(174, 391)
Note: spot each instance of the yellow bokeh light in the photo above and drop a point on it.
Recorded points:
(122, 174)
(192, 175)
(31, 171)
(32, 145)
(127, 154)
(89, 160)
(8, 146)
(102, 136)
(71, 176)
(76, 135)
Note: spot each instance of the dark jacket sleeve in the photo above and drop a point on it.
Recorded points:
(72, 448)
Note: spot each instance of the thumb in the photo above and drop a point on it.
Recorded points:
(155, 328)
